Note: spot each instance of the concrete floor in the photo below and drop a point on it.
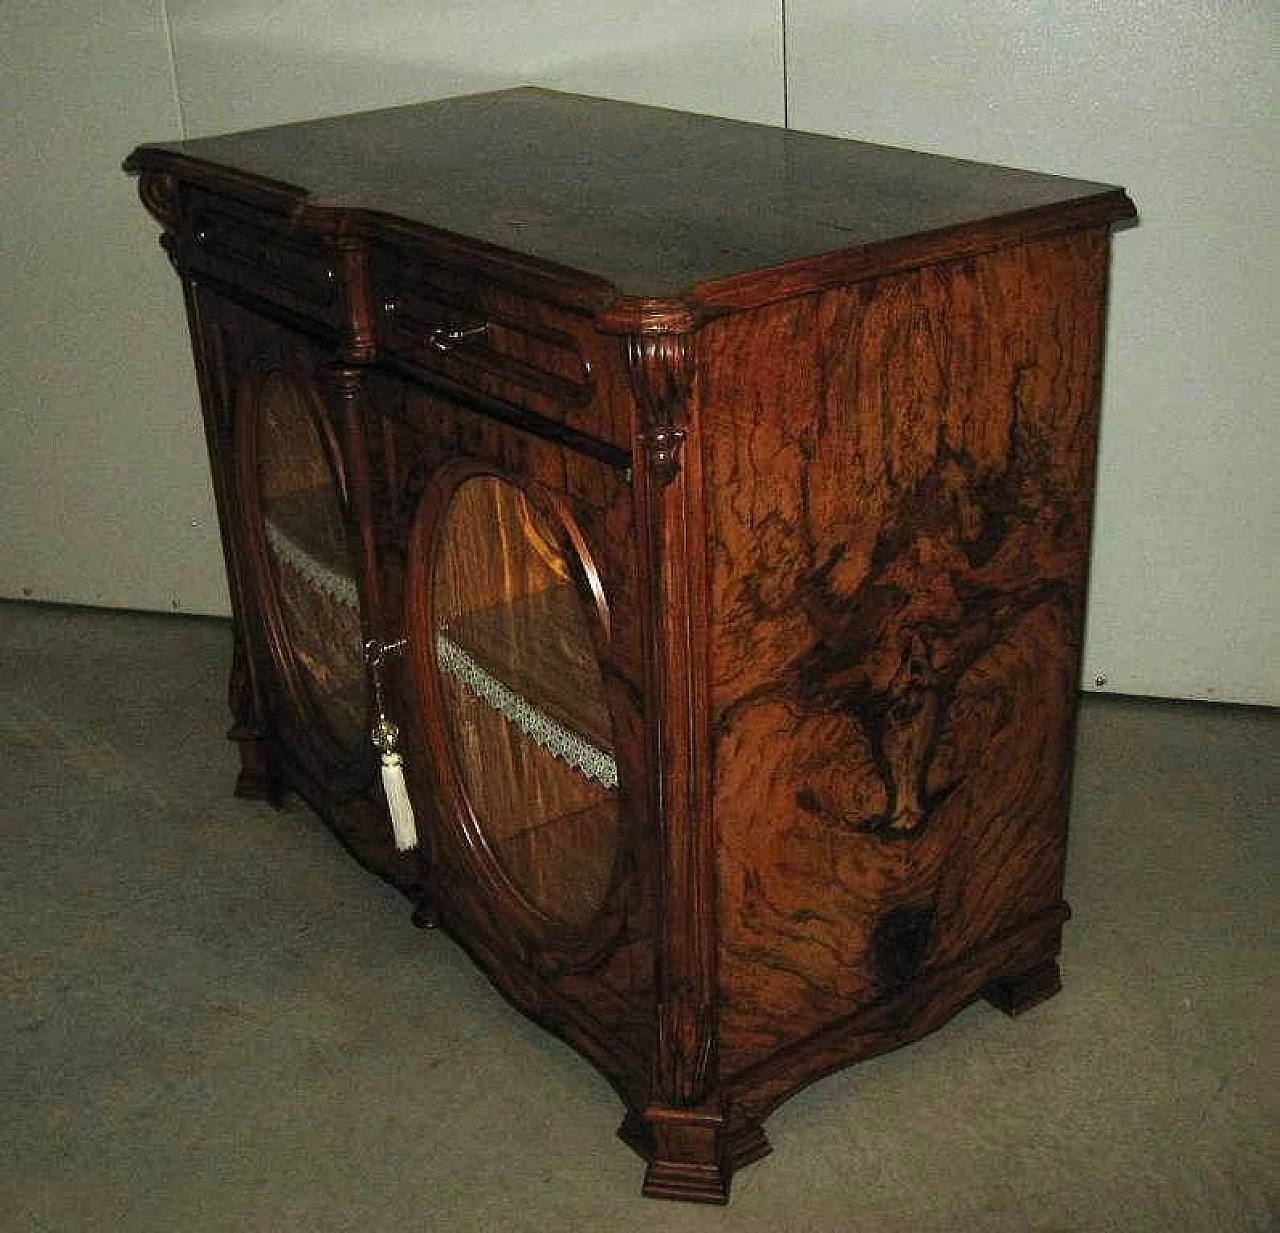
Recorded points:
(212, 1019)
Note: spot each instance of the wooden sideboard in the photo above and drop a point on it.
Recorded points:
(730, 490)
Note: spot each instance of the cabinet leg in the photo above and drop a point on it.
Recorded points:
(687, 1158)
(257, 780)
(1015, 995)
(425, 915)
(691, 1153)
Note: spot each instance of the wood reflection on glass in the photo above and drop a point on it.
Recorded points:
(311, 561)
(523, 699)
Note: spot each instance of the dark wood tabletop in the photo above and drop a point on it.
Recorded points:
(656, 203)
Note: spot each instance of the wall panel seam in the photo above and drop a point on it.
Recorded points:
(173, 68)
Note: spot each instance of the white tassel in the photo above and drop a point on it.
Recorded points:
(402, 824)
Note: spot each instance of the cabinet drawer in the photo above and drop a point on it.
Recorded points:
(264, 254)
(479, 334)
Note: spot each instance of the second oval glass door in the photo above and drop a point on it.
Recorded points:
(523, 699)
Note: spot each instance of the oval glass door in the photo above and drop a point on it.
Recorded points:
(523, 700)
(310, 560)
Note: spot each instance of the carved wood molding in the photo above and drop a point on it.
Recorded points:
(685, 1052)
(358, 345)
(673, 519)
(158, 192)
(660, 370)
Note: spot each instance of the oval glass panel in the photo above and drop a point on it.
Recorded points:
(311, 564)
(524, 702)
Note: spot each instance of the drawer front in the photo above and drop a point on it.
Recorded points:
(264, 254)
(480, 335)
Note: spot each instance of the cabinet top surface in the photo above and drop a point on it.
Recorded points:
(651, 202)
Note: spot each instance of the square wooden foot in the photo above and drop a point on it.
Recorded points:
(1014, 995)
(425, 913)
(692, 1154)
(257, 780)
(687, 1158)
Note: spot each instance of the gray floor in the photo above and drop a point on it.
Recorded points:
(213, 1020)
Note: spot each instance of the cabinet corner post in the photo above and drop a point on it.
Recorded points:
(684, 1119)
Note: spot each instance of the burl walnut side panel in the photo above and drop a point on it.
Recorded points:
(898, 478)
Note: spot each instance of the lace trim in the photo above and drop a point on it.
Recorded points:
(553, 736)
(337, 586)
(537, 725)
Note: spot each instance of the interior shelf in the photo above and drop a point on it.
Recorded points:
(523, 659)
(305, 530)
(320, 604)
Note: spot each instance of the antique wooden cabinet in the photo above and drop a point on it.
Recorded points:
(730, 491)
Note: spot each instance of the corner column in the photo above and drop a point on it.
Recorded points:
(684, 1122)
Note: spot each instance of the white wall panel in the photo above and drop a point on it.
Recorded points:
(242, 64)
(1176, 99)
(104, 494)
(104, 490)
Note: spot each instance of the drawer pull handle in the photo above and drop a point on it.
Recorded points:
(447, 337)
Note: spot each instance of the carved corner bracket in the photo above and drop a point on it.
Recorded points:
(158, 191)
(660, 369)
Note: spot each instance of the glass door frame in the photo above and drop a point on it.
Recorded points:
(336, 765)
(462, 838)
